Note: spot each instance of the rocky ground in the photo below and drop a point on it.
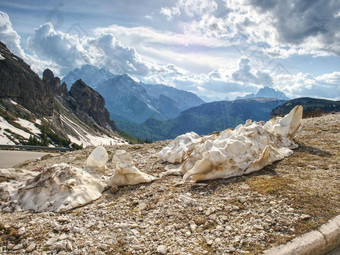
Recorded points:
(242, 215)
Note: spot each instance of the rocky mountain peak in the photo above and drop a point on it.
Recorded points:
(54, 83)
(91, 103)
(21, 84)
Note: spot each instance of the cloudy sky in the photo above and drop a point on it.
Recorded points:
(217, 49)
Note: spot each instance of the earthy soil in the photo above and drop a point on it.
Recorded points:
(242, 215)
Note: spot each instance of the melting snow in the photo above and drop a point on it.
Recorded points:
(5, 125)
(62, 187)
(88, 139)
(126, 173)
(13, 102)
(245, 149)
(57, 188)
(29, 125)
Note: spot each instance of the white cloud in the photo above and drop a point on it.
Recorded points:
(244, 74)
(69, 51)
(9, 36)
(189, 7)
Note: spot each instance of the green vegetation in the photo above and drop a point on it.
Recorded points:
(203, 119)
(131, 139)
(47, 136)
(312, 107)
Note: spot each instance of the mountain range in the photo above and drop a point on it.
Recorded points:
(204, 119)
(131, 100)
(267, 92)
(312, 107)
(43, 111)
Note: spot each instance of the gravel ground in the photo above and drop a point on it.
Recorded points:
(242, 215)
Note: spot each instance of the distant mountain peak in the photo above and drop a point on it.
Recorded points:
(267, 92)
(91, 75)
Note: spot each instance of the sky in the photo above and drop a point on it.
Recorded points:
(218, 49)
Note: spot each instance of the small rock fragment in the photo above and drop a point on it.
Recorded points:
(162, 249)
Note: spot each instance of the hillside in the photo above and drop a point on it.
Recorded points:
(204, 119)
(312, 106)
(43, 112)
(241, 215)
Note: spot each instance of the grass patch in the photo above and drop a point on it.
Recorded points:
(269, 185)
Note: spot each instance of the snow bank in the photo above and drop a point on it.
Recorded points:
(245, 149)
(4, 135)
(126, 173)
(87, 139)
(57, 188)
(29, 125)
(62, 187)
(182, 146)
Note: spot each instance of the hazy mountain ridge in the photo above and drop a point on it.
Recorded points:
(266, 92)
(133, 101)
(204, 119)
(184, 99)
(91, 75)
(311, 106)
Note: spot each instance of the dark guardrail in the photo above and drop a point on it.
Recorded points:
(34, 148)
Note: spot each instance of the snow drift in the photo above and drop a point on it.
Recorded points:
(57, 188)
(62, 187)
(245, 149)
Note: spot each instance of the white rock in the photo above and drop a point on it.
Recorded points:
(18, 247)
(30, 247)
(245, 149)
(162, 249)
(21, 231)
(126, 173)
(98, 158)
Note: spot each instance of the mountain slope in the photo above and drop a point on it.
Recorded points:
(183, 99)
(21, 84)
(204, 119)
(130, 100)
(44, 112)
(266, 92)
(127, 100)
(311, 106)
(91, 75)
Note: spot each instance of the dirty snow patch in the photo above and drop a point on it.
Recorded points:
(2, 57)
(29, 125)
(245, 149)
(5, 125)
(58, 188)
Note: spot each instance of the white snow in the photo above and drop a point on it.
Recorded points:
(5, 125)
(87, 139)
(62, 187)
(245, 149)
(13, 102)
(126, 173)
(97, 158)
(58, 188)
(2, 57)
(29, 125)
